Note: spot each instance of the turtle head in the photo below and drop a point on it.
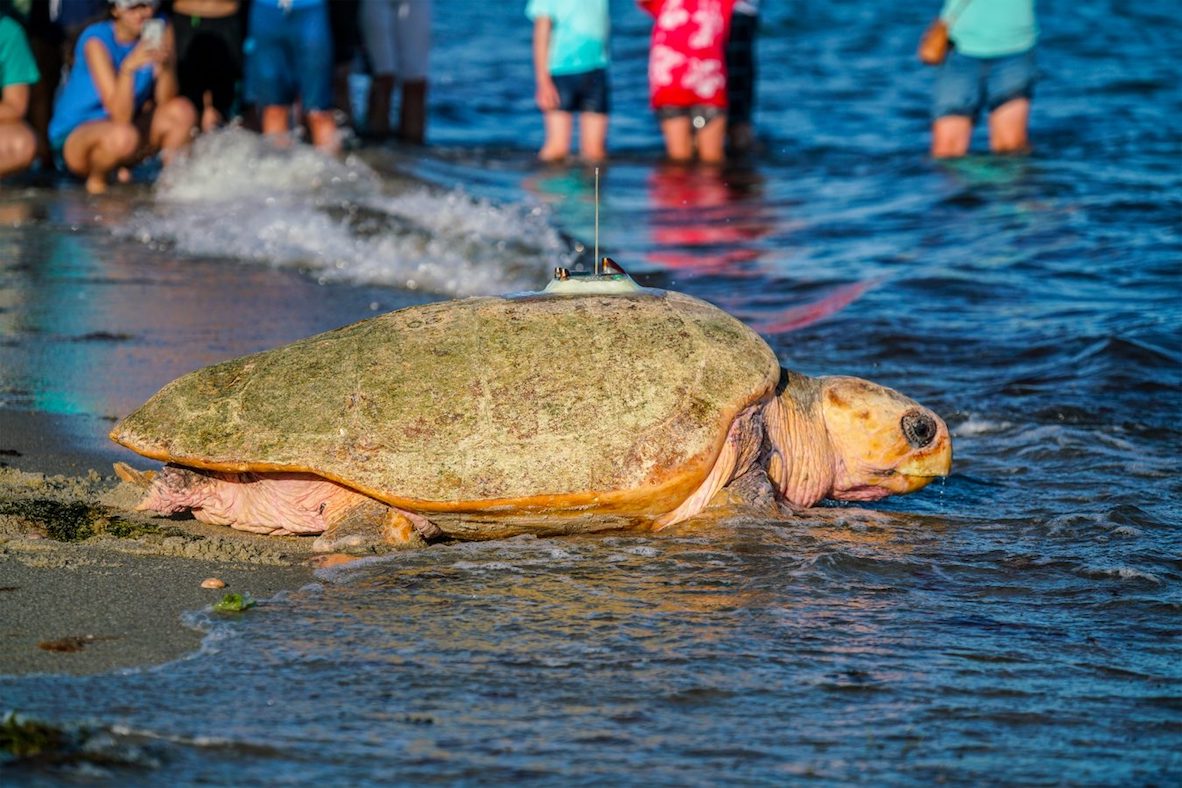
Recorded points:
(850, 439)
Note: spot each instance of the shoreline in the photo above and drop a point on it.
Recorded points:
(87, 585)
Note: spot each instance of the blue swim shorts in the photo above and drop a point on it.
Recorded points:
(290, 55)
(967, 85)
(586, 91)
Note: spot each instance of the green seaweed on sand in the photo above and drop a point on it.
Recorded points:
(234, 603)
(75, 521)
(64, 521)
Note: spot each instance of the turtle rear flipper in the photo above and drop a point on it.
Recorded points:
(374, 527)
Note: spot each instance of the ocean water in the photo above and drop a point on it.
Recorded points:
(1018, 623)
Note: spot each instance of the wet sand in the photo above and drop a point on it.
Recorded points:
(89, 586)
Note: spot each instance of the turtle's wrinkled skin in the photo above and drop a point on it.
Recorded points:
(545, 413)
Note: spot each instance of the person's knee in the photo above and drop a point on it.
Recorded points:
(24, 147)
(950, 136)
(182, 112)
(1008, 127)
(122, 140)
(177, 119)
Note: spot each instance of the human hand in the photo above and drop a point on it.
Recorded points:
(547, 95)
(144, 54)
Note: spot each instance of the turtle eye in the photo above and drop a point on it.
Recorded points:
(919, 428)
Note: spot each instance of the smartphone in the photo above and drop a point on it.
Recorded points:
(153, 33)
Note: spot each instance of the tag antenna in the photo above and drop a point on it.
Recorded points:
(596, 221)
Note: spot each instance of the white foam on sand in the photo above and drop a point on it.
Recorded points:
(239, 196)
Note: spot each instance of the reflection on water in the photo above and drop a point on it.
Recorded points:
(705, 218)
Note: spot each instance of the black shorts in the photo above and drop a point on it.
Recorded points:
(209, 57)
(586, 91)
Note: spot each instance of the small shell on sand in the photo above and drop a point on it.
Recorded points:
(213, 582)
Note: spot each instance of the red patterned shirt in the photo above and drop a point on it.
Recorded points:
(687, 60)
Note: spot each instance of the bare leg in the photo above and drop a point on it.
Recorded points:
(172, 127)
(412, 116)
(324, 131)
(275, 119)
(377, 116)
(1007, 127)
(951, 135)
(711, 140)
(18, 147)
(94, 149)
(741, 136)
(679, 138)
(559, 126)
(210, 117)
(592, 136)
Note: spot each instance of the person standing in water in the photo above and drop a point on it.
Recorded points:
(397, 36)
(991, 67)
(687, 75)
(290, 58)
(121, 91)
(570, 68)
(18, 71)
(209, 56)
(740, 76)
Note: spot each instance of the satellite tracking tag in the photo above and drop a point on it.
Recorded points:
(608, 277)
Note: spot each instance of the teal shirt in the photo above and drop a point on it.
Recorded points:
(17, 66)
(991, 28)
(579, 33)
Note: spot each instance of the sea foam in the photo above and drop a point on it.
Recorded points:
(242, 197)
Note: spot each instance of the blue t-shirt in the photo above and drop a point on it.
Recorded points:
(578, 34)
(79, 101)
(991, 28)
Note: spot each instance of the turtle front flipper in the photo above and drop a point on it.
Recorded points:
(134, 477)
(739, 451)
(372, 527)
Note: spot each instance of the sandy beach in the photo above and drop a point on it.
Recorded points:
(89, 586)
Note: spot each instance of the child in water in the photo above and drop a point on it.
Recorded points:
(570, 67)
(687, 75)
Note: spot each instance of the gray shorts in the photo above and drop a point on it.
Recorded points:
(699, 114)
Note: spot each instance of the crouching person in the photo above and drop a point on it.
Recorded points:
(18, 71)
(121, 100)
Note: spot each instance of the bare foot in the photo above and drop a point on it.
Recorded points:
(96, 184)
(552, 157)
(123, 175)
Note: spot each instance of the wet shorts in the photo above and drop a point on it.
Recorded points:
(699, 114)
(967, 85)
(586, 91)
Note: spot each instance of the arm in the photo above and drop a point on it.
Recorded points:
(547, 94)
(167, 86)
(13, 103)
(116, 89)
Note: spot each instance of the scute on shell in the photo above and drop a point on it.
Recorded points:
(607, 403)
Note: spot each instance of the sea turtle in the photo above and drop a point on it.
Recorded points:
(594, 404)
